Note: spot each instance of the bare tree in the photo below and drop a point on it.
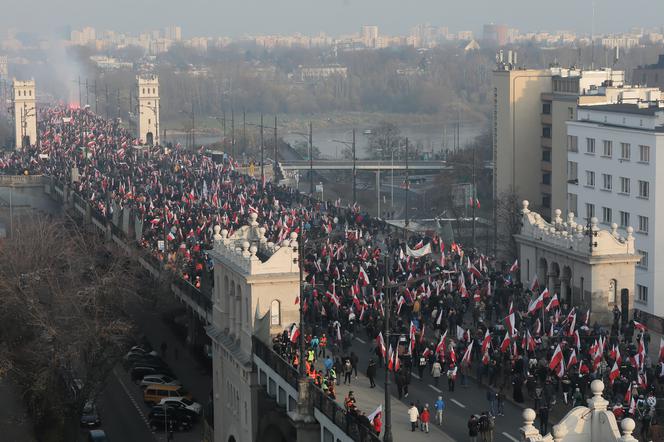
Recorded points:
(508, 220)
(65, 296)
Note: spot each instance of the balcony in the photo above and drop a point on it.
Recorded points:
(546, 142)
(546, 119)
(546, 166)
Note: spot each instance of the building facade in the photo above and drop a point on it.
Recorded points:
(586, 266)
(148, 109)
(255, 290)
(25, 113)
(650, 75)
(612, 169)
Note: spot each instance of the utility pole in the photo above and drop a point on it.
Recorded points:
(474, 198)
(80, 95)
(106, 102)
(354, 171)
(96, 100)
(406, 222)
(233, 134)
(87, 93)
(244, 131)
(311, 160)
(193, 127)
(276, 150)
(118, 101)
(387, 437)
(263, 157)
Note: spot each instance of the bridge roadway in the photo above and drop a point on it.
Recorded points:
(364, 165)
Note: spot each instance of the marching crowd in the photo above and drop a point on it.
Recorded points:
(454, 312)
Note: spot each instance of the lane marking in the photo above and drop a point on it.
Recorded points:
(434, 388)
(361, 340)
(460, 404)
(510, 437)
(415, 375)
(134, 403)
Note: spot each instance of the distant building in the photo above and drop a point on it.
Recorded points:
(472, 45)
(4, 68)
(369, 36)
(650, 75)
(148, 109)
(613, 175)
(465, 35)
(109, 63)
(25, 113)
(309, 73)
(173, 33)
(495, 35)
(620, 42)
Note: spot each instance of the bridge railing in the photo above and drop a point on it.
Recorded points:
(276, 362)
(348, 423)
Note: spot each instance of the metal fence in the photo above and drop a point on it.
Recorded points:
(348, 423)
(285, 370)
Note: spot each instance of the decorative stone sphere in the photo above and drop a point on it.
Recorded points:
(559, 431)
(253, 250)
(285, 243)
(529, 414)
(293, 236)
(217, 229)
(594, 221)
(262, 231)
(224, 233)
(630, 230)
(253, 216)
(614, 226)
(628, 425)
(245, 245)
(597, 387)
(270, 244)
(525, 204)
(558, 212)
(579, 228)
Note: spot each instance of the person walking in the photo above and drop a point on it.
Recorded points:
(473, 428)
(436, 371)
(544, 417)
(451, 376)
(439, 406)
(354, 361)
(348, 370)
(413, 416)
(371, 373)
(425, 417)
(486, 425)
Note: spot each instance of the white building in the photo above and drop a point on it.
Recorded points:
(612, 175)
(25, 113)
(148, 109)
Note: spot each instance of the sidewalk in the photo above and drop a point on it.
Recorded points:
(368, 399)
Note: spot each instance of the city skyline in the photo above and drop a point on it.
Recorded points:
(335, 18)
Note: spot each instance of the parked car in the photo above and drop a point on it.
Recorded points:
(97, 436)
(135, 351)
(169, 422)
(139, 372)
(183, 402)
(90, 416)
(165, 410)
(158, 379)
(144, 360)
(154, 393)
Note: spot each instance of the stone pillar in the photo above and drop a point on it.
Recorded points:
(88, 214)
(528, 431)
(628, 426)
(306, 426)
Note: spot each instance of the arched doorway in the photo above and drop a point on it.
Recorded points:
(231, 439)
(25, 141)
(566, 286)
(542, 273)
(149, 138)
(554, 278)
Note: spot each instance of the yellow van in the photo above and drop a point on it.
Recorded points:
(154, 393)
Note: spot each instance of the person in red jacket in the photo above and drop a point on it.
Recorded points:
(377, 424)
(425, 417)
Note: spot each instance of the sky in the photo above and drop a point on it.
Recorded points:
(235, 18)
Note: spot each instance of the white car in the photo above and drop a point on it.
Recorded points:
(159, 379)
(183, 402)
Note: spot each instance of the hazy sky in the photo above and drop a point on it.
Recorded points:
(237, 17)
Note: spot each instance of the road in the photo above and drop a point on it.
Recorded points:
(460, 404)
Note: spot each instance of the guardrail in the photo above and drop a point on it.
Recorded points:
(276, 362)
(348, 423)
(654, 323)
(22, 180)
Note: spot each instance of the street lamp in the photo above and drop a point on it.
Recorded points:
(193, 124)
(223, 120)
(351, 144)
(309, 136)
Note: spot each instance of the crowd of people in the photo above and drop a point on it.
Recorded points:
(454, 312)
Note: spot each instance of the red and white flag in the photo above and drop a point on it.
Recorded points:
(639, 326)
(380, 343)
(556, 358)
(440, 348)
(486, 342)
(661, 349)
(467, 354)
(294, 334)
(515, 266)
(534, 285)
(614, 373)
(553, 303)
(505, 344)
(536, 303)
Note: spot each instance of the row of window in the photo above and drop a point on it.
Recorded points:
(154, 90)
(607, 181)
(624, 218)
(642, 293)
(27, 93)
(607, 149)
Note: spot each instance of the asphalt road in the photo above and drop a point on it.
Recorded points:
(460, 404)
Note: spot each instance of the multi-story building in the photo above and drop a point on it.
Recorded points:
(4, 70)
(612, 168)
(312, 73)
(650, 74)
(495, 35)
(369, 36)
(531, 108)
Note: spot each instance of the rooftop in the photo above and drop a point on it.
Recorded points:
(625, 108)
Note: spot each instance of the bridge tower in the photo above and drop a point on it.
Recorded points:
(148, 109)
(25, 113)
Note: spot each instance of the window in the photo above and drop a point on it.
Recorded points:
(590, 210)
(573, 171)
(546, 108)
(546, 200)
(644, 154)
(625, 151)
(571, 112)
(546, 156)
(572, 143)
(546, 178)
(607, 181)
(644, 189)
(643, 224)
(642, 293)
(275, 313)
(608, 148)
(546, 131)
(572, 202)
(624, 185)
(590, 145)
(590, 178)
(644, 259)
(607, 214)
(624, 219)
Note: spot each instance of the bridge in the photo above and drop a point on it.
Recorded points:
(372, 165)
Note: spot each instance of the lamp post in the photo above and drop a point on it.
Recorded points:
(351, 145)
(310, 139)
(387, 436)
(223, 120)
(193, 125)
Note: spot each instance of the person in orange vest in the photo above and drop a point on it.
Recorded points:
(296, 361)
(319, 378)
(322, 346)
(331, 393)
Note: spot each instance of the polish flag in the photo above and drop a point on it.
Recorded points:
(294, 334)
(440, 348)
(561, 369)
(536, 304)
(546, 294)
(467, 354)
(553, 303)
(486, 342)
(506, 343)
(640, 326)
(380, 343)
(614, 374)
(400, 304)
(364, 277)
(453, 357)
(534, 285)
(515, 266)
(538, 327)
(661, 349)
(472, 269)
(397, 361)
(557, 358)
(390, 359)
(577, 340)
(510, 322)
(572, 359)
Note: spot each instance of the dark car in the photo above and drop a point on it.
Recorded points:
(134, 358)
(162, 411)
(97, 436)
(170, 422)
(138, 372)
(150, 361)
(90, 417)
